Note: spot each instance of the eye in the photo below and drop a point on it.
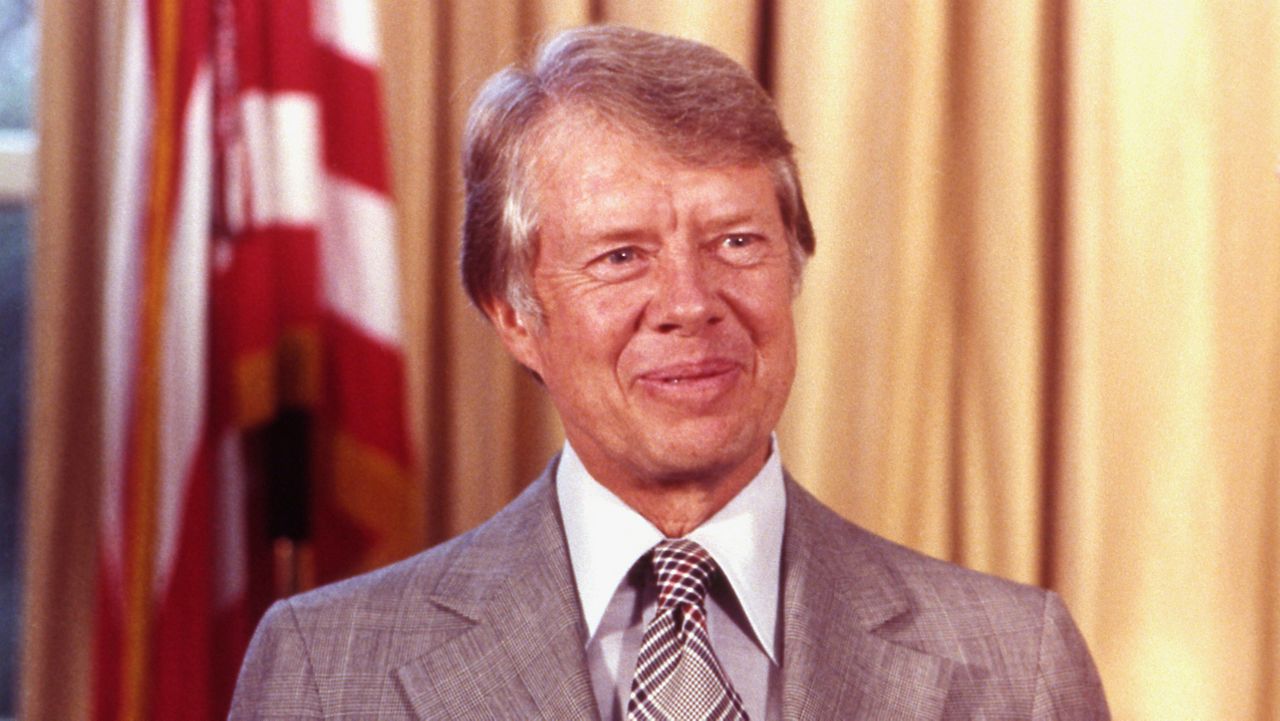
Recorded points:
(620, 256)
(743, 248)
(618, 263)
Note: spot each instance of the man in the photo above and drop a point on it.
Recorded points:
(635, 231)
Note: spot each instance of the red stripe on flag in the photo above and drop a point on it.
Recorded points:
(182, 678)
(353, 146)
(275, 49)
(365, 381)
(271, 283)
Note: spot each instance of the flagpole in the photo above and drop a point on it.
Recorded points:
(294, 567)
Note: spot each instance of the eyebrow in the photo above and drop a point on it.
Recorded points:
(608, 234)
(732, 218)
(617, 234)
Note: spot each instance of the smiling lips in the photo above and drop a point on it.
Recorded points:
(702, 380)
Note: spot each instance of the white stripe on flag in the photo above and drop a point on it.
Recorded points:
(128, 195)
(183, 362)
(348, 26)
(282, 132)
(358, 254)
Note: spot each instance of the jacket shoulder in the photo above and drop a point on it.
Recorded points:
(934, 590)
(1011, 645)
(339, 646)
(407, 587)
(958, 597)
(376, 593)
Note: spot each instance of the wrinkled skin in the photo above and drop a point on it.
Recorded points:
(666, 340)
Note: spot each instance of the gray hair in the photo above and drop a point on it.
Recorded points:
(688, 99)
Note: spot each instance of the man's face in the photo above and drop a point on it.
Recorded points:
(667, 343)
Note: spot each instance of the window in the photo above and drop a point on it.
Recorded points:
(17, 188)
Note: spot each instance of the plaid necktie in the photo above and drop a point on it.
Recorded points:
(677, 675)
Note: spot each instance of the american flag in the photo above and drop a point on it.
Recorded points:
(252, 339)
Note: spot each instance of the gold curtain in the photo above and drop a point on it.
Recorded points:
(1040, 337)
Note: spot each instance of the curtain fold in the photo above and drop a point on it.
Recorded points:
(1040, 336)
(61, 489)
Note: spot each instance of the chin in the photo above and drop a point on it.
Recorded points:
(692, 456)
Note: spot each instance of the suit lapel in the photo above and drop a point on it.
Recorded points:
(507, 637)
(838, 596)
(521, 654)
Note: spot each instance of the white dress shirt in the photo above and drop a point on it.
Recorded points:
(606, 537)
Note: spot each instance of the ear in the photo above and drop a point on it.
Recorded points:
(515, 333)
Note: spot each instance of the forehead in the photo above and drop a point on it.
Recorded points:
(590, 171)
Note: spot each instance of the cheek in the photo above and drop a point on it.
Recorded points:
(765, 306)
(776, 344)
(589, 331)
(781, 347)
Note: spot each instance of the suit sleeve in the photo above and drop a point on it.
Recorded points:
(276, 679)
(1067, 682)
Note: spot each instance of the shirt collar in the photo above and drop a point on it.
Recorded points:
(606, 536)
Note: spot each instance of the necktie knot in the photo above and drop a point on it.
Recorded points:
(683, 569)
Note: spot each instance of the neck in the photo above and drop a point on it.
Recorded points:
(677, 511)
(678, 504)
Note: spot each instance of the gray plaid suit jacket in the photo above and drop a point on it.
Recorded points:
(487, 626)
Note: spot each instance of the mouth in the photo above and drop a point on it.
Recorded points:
(677, 373)
(692, 382)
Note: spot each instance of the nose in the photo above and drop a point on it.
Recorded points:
(687, 298)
